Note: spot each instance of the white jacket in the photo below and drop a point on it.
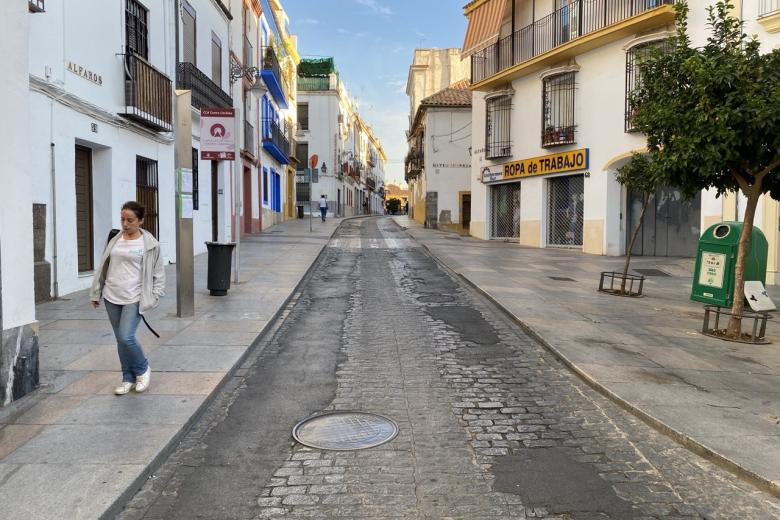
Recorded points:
(152, 273)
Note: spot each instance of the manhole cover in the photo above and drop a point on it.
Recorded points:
(650, 272)
(345, 431)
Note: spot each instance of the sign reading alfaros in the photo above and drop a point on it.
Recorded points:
(545, 165)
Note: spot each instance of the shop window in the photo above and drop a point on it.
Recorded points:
(634, 56)
(558, 109)
(497, 125)
(137, 29)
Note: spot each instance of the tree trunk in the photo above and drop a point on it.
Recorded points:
(735, 322)
(631, 244)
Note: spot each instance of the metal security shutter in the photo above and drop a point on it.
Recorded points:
(188, 30)
(505, 211)
(84, 212)
(146, 192)
(564, 225)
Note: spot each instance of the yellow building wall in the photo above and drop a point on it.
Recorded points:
(530, 232)
(593, 237)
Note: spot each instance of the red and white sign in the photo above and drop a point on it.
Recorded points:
(217, 137)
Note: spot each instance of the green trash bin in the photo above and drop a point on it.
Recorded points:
(716, 259)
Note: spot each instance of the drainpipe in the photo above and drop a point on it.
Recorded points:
(53, 180)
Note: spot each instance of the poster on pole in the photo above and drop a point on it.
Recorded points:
(217, 135)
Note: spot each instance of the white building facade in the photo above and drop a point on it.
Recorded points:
(550, 126)
(350, 158)
(439, 164)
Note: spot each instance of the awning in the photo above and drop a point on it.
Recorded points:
(484, 25)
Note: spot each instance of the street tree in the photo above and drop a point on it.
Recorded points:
(711, 115)
(638, 176)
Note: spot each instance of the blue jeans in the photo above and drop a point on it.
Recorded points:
(323, 212)
(124, 320)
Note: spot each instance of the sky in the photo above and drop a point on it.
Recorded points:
(373, 42)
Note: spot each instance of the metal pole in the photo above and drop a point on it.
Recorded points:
(310, 195)
(185, 258)
(237, 198)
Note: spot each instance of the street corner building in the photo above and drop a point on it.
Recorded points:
(350, 166)
(551, 125)
(95, 125)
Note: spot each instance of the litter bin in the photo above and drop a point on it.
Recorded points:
(716, 259)
(300, 211)
(220, 260)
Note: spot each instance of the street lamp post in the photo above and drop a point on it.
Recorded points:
(237, 72)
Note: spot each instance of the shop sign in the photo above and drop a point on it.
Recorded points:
(217, 138)
(563, 162)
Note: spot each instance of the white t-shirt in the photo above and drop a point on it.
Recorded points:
(323, 203)
(123, 281)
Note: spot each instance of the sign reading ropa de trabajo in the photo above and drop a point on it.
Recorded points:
(217, 138)
(563, 162)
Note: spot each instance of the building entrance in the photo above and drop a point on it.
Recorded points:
(564, 214)
(84, 209)
(505, 210)
(671, 225)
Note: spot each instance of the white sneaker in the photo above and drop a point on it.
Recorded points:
(142, 381)
(124, 388)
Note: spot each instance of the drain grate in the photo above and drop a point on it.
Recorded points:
(561, 279)
(650, 272)
(345, 431)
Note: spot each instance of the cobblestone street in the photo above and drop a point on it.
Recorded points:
(491, 424)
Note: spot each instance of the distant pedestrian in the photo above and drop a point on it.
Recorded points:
(131, 279)
(406, 207)
(323, 207)
(365, 207)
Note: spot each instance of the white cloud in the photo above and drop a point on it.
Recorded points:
(307, 21)
(376, 7)
(341, 31)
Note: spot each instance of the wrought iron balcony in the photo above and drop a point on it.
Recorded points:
(275, 142)
(36, 6)
(249, 138)
(205, 93)
(567, 24)
(272, 76)
(148, 95)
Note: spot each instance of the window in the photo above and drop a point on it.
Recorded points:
(558, 110)
(146, 192)
(634, 57)
(188, 30)
(216, 60)
(265, 186)
(137, 29)
(767, 7)
(302, 153)
(303, 116)
(497, 141)
(195, 197)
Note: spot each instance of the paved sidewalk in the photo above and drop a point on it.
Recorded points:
(73, 449)
(711, 395)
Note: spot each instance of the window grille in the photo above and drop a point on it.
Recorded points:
(635, 56)
(195, 192)
(303, 116)
(497, 125)
(558, 109)
(146, 192)
(505, 211)
(137, 29)
(565, 205)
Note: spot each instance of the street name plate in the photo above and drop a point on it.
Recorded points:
(345, 431)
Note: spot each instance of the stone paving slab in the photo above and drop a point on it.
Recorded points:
(73, 449)
(711, 395)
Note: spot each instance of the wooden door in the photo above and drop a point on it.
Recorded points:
(84, 210)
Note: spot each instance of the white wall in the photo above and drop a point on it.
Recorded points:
(447, 132)
(16, 248)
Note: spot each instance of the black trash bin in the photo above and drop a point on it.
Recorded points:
(300, 211)
(220, 261)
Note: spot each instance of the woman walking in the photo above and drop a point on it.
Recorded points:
(130, 278)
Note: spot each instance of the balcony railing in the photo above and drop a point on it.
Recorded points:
(249, 137)
(205, 93)
(272, 76)
(313, 83)
(275, 142)
(36, 6)
(148, 95)
(766, 7)
(568, 23)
